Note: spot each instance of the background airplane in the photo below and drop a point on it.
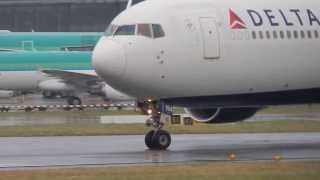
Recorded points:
(221, 60)
(23, 68)
(48, 41)
(54, 73)
(6, 94)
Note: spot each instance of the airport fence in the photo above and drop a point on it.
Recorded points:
(31, 108)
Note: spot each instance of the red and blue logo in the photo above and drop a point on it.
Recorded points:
(235, 21)
(274, 17)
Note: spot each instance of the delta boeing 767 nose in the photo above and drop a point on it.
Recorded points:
(109, 59)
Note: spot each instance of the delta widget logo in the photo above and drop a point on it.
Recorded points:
(275, 18)
(235, 21)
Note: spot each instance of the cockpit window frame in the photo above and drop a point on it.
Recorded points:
(163, 34)
(144, 35)
(152, 28)
(125, 25)
(112, 28)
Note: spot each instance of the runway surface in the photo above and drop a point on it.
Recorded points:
(118, 150)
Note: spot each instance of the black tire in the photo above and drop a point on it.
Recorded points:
(74, 101)
(148, 139)
(162, 140)
(28, 109)
(42, 109)
(48, 94)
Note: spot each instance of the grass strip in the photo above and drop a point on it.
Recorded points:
(293, 109)
(203, 171)
(73, 114)
(137, 129)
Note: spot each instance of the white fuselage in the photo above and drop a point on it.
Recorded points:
(214, 48)
(21, 80)
(27, 80)
(33, 81)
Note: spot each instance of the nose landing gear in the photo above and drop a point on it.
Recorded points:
(158, 139)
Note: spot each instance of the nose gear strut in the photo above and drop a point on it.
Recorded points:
(158, 139)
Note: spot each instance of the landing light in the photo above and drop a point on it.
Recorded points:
(232, 157)
(277, 158)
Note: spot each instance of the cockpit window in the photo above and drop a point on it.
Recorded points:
(110, 30)
(147, 30)
(144, 30)
(157, 31)
(125, 30)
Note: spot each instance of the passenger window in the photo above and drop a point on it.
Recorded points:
(309, 34)
(254, 35)
(316, 34)
(281, 34)
(261, 34)
(268, 34)
(126, 30)
(302, 34)
(275, 34)
(144, 30)
(157, 31)
(295, 34)
(289, 34)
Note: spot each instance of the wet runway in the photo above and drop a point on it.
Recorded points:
(118, 150)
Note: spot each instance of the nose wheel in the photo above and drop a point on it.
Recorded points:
(158, 139)
(74, 101)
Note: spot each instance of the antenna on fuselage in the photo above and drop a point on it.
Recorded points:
(129, 4)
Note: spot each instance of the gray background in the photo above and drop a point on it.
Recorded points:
(58, 15)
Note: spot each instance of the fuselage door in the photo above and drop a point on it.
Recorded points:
(27, 45)
(210, 38)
